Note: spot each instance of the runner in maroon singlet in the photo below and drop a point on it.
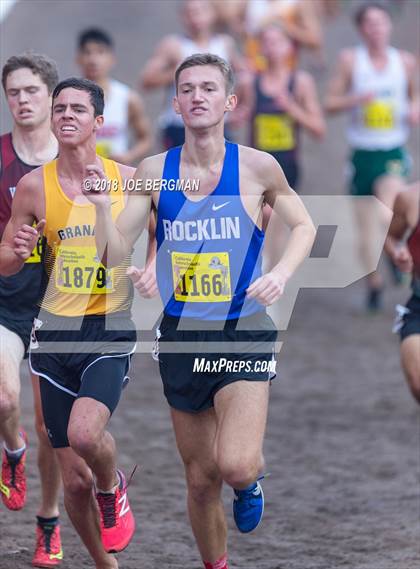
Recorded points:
(407, 258)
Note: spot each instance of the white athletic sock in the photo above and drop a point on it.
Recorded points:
(16, 454)
(113, 489)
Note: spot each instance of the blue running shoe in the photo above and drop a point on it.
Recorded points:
(248, 507)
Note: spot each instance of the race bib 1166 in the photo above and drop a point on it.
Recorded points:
(201, 277)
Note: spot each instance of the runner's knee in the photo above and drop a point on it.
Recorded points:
(415, 390)
(77, 477)
(78, 484)
(11, 355)
(240, 471)
(84, 442)
(9, 401)
(204, 484)
(9, 381)
(413, 378)
(410, 363)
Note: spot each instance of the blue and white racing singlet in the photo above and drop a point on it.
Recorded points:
(209, 251)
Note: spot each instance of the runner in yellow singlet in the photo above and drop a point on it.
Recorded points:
(83, 339)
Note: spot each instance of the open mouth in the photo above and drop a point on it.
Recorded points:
(68, 128)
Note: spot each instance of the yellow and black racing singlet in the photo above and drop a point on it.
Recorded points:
(273, 129)
(78, 283)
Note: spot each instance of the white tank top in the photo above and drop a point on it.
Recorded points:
(217, 46)
(113, 137)
(382, 123)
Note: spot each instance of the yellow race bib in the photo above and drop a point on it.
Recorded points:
(78, 270)
(36, 253)
(378, 115)
(201, 277)
(274, 133)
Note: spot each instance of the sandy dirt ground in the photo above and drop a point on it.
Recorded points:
(343, 439)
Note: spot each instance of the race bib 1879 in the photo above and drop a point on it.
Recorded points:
(78, 270)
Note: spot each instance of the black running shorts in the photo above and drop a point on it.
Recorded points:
(94, 362)
(192, 375)
(411, 320)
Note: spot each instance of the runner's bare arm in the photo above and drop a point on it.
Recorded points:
(287, 205)
(159, 70)
(19, 237)
(307, 31)
(338, 97)
(144, 279)
(404, 204)
(141, 130)
(152, 243)
(411, 67)
(126, 173)
(308, 112)
(115, 240)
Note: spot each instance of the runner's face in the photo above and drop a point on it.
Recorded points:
(198, 16)
(73, 121)
(376, 27)
(96, 61)
(275, 45)
(201, 99)
(28, 98)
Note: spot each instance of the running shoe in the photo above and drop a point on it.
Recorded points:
(48, 552)
(117, 520)
(221, 565)
(13, 479)
(248, 507)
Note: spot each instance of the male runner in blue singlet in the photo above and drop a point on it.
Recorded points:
(214, 295)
